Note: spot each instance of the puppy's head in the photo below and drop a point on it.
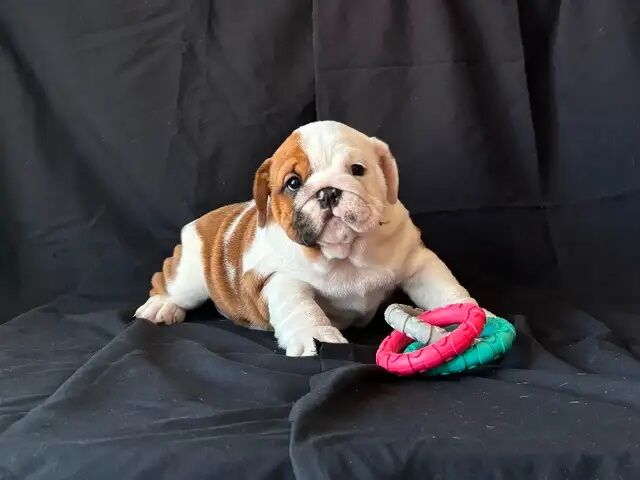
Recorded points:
(326, 185)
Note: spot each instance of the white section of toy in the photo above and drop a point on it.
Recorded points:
(404, 319)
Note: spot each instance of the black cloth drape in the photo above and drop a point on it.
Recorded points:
(516, 126)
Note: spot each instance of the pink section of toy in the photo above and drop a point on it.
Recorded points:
(470, 320)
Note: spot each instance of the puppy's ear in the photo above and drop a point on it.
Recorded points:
(389, 168)
(261, 191)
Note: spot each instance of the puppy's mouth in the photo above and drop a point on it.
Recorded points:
(331, 230)
(340, 224)
(336, 231)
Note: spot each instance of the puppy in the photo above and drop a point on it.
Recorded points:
(321, 245)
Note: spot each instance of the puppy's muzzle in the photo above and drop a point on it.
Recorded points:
(328, 197)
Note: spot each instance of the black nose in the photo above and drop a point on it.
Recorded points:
(328, 197)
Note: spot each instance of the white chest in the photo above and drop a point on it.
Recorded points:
(349, 294)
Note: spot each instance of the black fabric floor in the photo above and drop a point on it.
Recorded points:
(86, 396)
(516, 129)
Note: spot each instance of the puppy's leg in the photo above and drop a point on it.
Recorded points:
(296, 318)
(181, 284)
(430, 284)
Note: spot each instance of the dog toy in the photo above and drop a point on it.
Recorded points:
(442, 341)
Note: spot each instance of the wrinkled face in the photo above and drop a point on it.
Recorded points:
(326, 185)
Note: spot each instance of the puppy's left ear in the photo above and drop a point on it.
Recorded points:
(261, 191)
(389, 168)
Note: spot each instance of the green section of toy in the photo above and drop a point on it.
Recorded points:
(496, 338)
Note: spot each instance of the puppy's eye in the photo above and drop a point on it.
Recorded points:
(357, 170)
(293, 184)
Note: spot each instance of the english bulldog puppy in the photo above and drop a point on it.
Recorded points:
(321, 245)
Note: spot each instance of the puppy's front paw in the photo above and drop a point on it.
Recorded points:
(301, 343)
(160, 309)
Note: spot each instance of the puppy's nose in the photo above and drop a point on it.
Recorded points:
(328, 197)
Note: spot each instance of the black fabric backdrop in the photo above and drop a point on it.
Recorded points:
(516, 126)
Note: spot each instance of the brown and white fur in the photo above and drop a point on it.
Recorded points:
(309, 261)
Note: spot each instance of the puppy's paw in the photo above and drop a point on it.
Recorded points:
(160, 309)
(302, 344)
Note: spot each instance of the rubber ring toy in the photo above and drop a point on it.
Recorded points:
(497, 337)
(470, 319)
